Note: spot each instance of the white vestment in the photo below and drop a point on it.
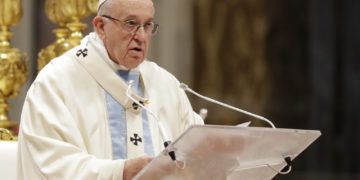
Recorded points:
(64, 132)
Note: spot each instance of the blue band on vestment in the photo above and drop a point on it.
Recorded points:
(117, 120)
(118, 127)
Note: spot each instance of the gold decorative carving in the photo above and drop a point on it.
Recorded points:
(13, 71)
(93, 5)
(56, 15)
(6, 135)
(67, 14)
(75, 10)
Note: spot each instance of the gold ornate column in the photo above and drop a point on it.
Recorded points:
(55, 14)
(13, 71)
(67, 14)
(75, 10)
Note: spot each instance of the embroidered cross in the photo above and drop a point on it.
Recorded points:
(135, 139)
(82, 52)
(136, 106)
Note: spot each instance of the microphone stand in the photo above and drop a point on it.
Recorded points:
(186, 88)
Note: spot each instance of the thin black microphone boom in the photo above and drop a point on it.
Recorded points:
(186, 88)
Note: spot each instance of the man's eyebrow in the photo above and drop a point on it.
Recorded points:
(133, 17)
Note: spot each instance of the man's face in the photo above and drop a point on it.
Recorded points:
(126, 48)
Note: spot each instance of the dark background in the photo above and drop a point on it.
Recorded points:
(301, 72)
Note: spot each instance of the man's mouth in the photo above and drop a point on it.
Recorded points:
(136, 49)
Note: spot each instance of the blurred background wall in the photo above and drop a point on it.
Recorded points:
(295, 62)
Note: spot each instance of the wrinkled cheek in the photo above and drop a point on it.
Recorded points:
(120, 52)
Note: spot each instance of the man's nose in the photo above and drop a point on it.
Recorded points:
(140, 34)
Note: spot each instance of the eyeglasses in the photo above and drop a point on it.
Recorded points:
(132, 26)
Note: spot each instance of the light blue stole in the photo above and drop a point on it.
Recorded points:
(117, 119)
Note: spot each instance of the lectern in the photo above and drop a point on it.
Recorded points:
(229, 152)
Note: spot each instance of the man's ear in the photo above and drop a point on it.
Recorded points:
(98, 24)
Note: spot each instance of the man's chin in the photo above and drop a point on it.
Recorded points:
(133, 63)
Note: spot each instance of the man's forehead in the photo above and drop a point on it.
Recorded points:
(132, 7)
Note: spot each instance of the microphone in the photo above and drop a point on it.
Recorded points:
(186, 88)
(160, 125)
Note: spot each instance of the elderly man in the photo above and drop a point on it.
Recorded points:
(83, 116)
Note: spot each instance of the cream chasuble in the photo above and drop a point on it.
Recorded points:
(64, 131)
(117, 87)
